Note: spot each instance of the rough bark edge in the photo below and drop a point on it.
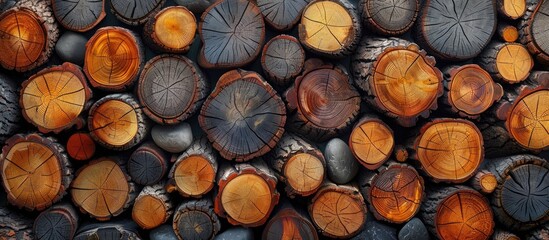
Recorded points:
(204, 205)
(157, 191)
(526, 35)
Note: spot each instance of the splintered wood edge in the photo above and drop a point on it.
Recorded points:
(99, 18)
(66, 172)
(65, 67)
(430, 60)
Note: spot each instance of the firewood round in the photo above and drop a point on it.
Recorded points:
(527, 119)
(80, 16)
(371, 142)
(171, 30)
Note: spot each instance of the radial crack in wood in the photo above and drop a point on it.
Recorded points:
(389, 17)
(282, 15)
(195, 219)
(282, 59)
(80, 16)
(512, 9)
(135, 12)
(534, 32)
(528, 119)
(371, 142)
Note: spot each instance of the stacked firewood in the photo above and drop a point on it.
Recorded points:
(274, 119)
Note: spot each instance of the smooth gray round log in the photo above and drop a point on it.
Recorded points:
(412, 230)
(376, 230)
(71, 47)
(239, 233)
(164, 232)
(341, 164)
(173, 138)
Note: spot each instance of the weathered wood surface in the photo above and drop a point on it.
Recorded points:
(195, 219)
(148, 164)
(371, 141)
(389, 17)
(533, 31)
(80, 16)
(282, 59)
(58, 222)
(14, 225)
(135, 12)
(282, 15)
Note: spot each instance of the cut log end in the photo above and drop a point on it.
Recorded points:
(148, 164)
(371, 142)
(514, 63)
(117, 122)
(247, 199)
(338, 211)
(35, 171)
(231, 38)
(113, 58)
(450, 149)
(149, 212)
(172, 30)
(512, 9)
(81, 146)
(508, 33)
(471, 90)
(194, 176)
(400, 153)
(90, 195)
(282, 14)
(484, 182)
(80, 16)
(282, 59)
(527, 121)
(243, 117)
(54, 98)
(289, 224)
(135, 12)
(58, 222)
(533, 31)
(195, 219)
(304, 172)
(329, 27)
(396, 193)
(389, 17)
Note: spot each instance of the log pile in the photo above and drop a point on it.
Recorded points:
(274, 119)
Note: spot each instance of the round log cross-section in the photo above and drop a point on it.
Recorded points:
(152, 207)
(243, 117)
(58, 222)
(135, 12)
(80, 146)
(371, 142)
(458, 212)
(102, 189)
(507, 33)
(389, 17)
(54, 98)
(289, 223)
(35, 171)
(28, 34)
(528, 121)
(400, 79)
(80, 16)
(324, 101)
(148, 164)
(470, 90)
(446, 28)
(507, 62)
(282, 15)
(171, 88)
(171, 30)
(195, 219)
(449, 150)
(113, 58)
(533, 31)
(330, 27)
(511, 9)
(282, 59)
(117, 122)
(232, 32)
(338, 211)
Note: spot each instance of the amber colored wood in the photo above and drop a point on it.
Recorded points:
(81, 146)
(247, 193)
(243, 117)
(519, 200)
(322, 101)
(135, 12)
(533, 31)
(457, 212)
(117, 122)
(232, 33)
(80, 16)
(299, 164)
(171, 30)
(330, 28)
(102, 189)
(507, 62)
(527, 120)
(507, 32)
(58, 222)
(470, 90)
(371, 142)
(195, 219)
(15, 225)
(449, 150)
(400, 153)
(35, 171)
(28, 33)
(338, 211)
(282, 15)
(511, 9)
(400, 79)
(148, 164)
(484, 182)
(289, 223)
(282, 59)
(194, 171)
(389, 17)
(152, 207)
(394, 192)
(171, 88)
(114, 56)
(54, 98)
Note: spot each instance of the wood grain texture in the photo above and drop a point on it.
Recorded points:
(35, 171)
(58, 222)
(371, 141)
(282, 59)
(528, 119)
(135, 12)
(54, 98)
(289, 223)
(282, 15)
(456, 29)
(243, 117)
(511, 9)
(195, 219)
(389, 17)
(534, 32)
(80, 146)
(152, 207)
(171, 30)
(148, 164)
(81, 15)
(28, 33)
(507, 62)
(172, 88)
(119, 229)
(232, 32)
